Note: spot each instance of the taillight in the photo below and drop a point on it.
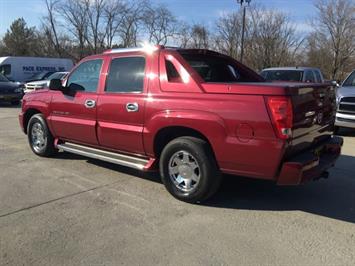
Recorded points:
(280, 108)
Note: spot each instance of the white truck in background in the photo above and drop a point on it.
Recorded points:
(20, 69)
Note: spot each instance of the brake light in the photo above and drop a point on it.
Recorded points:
(280, 108)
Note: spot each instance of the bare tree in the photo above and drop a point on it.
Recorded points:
(183, 35)
(114, 14)
(128, 30)
(49, 25)
(200, 37)
(228, 34)
(96, 33)
(335, 33)
(271, 40)
(160, 24)
(75, 16)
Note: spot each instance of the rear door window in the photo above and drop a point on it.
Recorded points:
(126, 75)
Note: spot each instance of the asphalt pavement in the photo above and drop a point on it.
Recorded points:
(70, 210)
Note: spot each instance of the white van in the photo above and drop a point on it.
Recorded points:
(20, 69)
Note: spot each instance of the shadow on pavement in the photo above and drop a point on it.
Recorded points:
(152, 176)
(9, 105)
(332, 198)
(346, 132)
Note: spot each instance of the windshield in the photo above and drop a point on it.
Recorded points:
(215, 68)
(57, 75)
(350, 81)
(40, 76)
(282, 75)
(3, 78)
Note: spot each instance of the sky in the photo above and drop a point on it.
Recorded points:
(196, 11)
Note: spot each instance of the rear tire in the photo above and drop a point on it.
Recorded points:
(39, 137)
(189, 170)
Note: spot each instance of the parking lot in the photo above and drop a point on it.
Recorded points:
(79, 211)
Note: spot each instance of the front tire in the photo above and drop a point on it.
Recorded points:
(39, 137)
(188, 169)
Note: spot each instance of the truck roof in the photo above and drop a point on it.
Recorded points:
(151, 48)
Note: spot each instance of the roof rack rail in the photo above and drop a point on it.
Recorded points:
(145, 48)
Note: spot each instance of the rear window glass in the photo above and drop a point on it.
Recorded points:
(214, 68)
(282, 75)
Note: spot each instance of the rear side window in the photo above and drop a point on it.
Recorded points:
(309, 76)
(126, 75)
(172, 73)
(318, 77)
(86, 76)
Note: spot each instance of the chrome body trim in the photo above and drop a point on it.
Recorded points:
(112, 157)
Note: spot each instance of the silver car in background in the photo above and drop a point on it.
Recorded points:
(345, 116)
(41, 84)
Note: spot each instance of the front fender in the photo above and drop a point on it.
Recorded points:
(40, 104)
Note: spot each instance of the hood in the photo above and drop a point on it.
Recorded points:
(8, 85)
(346, 91)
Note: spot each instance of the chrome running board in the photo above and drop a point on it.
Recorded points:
(112, 157)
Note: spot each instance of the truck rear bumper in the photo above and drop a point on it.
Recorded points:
(312, 164)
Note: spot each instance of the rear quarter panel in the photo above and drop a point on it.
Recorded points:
(237, 126)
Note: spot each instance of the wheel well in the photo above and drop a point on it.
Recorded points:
(29, 113)
(165, 135)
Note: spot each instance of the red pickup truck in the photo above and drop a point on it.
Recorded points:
(192, 114)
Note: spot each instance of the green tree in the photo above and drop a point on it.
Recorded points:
(21, 40)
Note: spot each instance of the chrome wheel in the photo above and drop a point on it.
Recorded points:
(38, 137)
(184, 171)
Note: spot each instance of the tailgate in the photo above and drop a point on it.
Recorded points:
(314, 109)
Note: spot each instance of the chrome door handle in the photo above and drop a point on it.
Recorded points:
(90, 103)
(132, 107)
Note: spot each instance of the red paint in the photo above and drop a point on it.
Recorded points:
(241, 121)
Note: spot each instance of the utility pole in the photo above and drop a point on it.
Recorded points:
(243, 4)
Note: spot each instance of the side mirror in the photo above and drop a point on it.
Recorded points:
(334, 83)
(56, 85)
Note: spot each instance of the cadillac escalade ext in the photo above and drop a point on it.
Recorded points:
(193, 114)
